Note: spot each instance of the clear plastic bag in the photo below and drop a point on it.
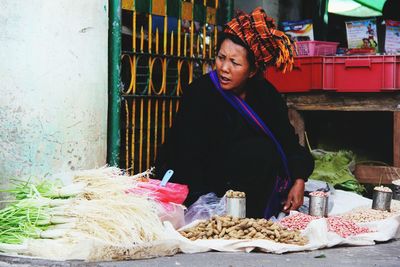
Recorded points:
(315, 185)
(205, 207)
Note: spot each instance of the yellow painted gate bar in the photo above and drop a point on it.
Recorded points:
(165, 45)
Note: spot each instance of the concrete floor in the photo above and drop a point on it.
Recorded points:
(384, 254)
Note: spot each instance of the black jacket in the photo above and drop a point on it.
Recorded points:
(206, 127)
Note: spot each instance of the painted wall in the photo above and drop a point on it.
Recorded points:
(53, 86)
(270, 6)
(280, 10)
(291, 10)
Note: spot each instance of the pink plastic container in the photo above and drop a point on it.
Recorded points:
(316, 48)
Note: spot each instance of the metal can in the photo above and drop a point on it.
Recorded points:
(381, 200)
(396, 192)
(236, 207)
(318, 206)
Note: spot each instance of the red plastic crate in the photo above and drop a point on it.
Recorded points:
(316, 48)
(305, 76)
(361, 73)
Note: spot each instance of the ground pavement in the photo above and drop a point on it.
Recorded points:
(383, 254)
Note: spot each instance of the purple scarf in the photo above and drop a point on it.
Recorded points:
(282, 185)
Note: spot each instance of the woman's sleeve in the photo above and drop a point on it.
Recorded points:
(187, 143)
(300, 160)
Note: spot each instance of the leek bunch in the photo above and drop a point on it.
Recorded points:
(93, 209)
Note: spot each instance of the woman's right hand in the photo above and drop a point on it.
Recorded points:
(295, 197)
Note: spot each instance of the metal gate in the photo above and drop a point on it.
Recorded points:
(165, 45)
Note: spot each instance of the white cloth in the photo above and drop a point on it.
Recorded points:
(344, 201)
(316, 232)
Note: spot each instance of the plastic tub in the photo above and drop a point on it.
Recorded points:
(305, 76)
(373, 73)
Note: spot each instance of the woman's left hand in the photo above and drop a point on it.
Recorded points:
(295, 196)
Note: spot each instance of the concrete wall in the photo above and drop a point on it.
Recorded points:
(270, 6)
(53, 86)
(278, 9)
(291, 10)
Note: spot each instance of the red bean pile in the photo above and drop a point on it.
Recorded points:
(340, 226)
(299, 221)
(319, 194)
(345, 228)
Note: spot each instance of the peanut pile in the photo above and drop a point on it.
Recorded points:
(246, 228)
(238, 194)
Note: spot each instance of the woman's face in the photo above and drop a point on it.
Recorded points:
(233, 68)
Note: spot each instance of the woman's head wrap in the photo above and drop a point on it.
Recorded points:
(259, 33)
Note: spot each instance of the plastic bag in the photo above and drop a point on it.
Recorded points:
(169, 197)
(315, 185)
(205, 207)
(174, 213)
(171, 192)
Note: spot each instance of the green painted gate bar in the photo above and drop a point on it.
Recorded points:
(114, 83)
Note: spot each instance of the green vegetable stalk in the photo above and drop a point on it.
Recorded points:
(334, 168)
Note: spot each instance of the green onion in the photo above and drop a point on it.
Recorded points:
(45, 188)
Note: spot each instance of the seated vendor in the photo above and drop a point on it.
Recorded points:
(232, 129)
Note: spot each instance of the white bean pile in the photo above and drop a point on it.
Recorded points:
(396, 182)
(383, 189)
(366, 214)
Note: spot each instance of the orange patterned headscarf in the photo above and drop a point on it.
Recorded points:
(259, 33)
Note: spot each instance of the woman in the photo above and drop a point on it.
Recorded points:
(217, 143)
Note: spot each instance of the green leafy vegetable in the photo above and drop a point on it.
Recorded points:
(334, 168)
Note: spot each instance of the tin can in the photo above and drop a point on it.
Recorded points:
(396, 192)
(318, 206)
(236, 207)
(381, 200)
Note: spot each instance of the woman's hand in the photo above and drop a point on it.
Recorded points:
(295, 196)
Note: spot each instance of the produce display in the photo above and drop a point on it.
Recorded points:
(366, 214)
(383, 189)
(298, 221)
(319, 194)
(103, 214)
(345, 228)
(227, 227)
(93, 210)
(235, 194)
(340, 226)
(334, 168)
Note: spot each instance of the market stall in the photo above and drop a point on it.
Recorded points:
(356, 71)
(106, 214)
(103, 215)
